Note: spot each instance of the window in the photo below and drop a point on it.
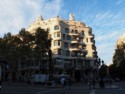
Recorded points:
(63, 36)
(57, 43)
(56, 27)
(86, 39)
(65, 44)
(72, 31)
(67, 53)
(59, 51)
(90, 32)
(93, 47)
(57, 34)
(66, 30)
(68, 37)
(76, 31)
(91, 40)
(82, 32)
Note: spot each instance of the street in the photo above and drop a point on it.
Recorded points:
(118, 88)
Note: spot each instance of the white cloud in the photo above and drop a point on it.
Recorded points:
(16, 14)
(107, 36)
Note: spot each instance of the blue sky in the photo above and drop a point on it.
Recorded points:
(106, 17)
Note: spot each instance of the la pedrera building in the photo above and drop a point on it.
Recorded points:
(73, 45)
(120, 40)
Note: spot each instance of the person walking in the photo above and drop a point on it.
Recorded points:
(63, 81)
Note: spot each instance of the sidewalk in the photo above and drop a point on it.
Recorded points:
(86, 86)
(79, 85)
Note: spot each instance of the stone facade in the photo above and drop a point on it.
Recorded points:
(120, 40)
(73, 45)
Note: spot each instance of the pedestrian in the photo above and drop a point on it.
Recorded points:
(63, 81)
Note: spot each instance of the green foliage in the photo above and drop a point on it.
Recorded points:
(118, 66)
(24, 45)
(42, 42)
(103, 71)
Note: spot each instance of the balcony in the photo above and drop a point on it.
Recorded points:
(74, 32)
(74, 41)
(73, 48)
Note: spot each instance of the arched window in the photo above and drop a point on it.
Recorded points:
(56, 27)
(76, 31)
(72, 31)
(82, 32)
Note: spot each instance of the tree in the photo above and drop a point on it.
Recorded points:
(26, 43)
(103, 71)
(119, 60)
(42, 42)
(25, 46)
(113, 70)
